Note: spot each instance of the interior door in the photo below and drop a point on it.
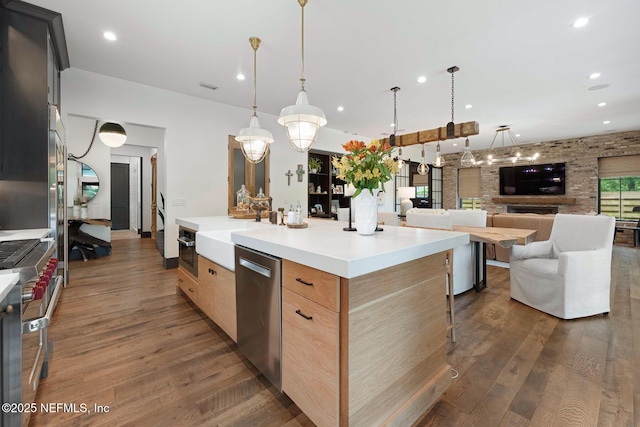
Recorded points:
(119, 196)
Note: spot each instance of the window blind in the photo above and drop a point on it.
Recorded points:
(611, 167)
(469, 183)
(420, 179)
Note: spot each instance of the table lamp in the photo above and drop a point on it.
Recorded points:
(406, 194)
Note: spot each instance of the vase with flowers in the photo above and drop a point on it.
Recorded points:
(367, 167)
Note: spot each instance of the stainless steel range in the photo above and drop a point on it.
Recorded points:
(25, 315)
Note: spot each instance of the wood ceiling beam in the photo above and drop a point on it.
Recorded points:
(438, 134)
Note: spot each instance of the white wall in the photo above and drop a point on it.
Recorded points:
(194, 163)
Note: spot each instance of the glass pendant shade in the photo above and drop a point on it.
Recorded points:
(302, 122)
(423, 167)
(112, 134)
(439, 161)
(255, 141)
(467, 160)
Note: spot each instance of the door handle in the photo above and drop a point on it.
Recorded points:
(43, 322)
(264, 271)
(185, 242)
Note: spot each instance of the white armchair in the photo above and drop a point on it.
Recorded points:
(569, 275)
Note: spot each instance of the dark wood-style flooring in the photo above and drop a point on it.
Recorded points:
(125, 340)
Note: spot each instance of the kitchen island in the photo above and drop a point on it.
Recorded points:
(363, 318)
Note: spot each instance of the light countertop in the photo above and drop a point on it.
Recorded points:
(34, 233)
(7, 281)
(323, 245)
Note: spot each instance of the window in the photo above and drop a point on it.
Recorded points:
(619, 186)
(469, 189)
(618, 196)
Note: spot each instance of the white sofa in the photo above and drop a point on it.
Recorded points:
(463, 256)
(569, 275)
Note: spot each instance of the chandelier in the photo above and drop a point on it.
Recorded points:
(515, 155)
(255, 141)
(302, 121)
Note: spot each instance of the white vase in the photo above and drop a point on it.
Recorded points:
(76, 211)
(366, 207)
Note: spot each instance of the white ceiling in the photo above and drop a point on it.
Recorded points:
(521, 62)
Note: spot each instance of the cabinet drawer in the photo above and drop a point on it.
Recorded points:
(188, 285)
(310, 361)
(217, 295)
(318, 286)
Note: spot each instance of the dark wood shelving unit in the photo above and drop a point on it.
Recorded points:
(327, 181)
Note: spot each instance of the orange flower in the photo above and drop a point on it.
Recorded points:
(353, 145)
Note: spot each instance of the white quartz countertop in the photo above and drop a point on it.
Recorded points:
(34, 233)
(325, 246)
(210, 223)
(7, 281)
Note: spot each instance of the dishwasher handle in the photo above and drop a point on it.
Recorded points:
(264, 271)
(186, 242)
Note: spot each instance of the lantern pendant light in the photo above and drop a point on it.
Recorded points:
(255, 140)
(423, 167)
(302, 121)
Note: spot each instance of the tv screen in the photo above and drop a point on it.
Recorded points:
(525, 180)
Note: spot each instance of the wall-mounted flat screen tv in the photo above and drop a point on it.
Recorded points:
(525, 180)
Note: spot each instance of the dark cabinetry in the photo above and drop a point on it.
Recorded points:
(325, 189)
(32, 53)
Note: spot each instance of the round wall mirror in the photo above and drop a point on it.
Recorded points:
(83, 183)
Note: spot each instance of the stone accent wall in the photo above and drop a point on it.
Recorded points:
(581, 158)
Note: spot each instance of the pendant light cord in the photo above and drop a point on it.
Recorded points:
(302, 79)
(255, 54)
(452, 94)
(93, 138)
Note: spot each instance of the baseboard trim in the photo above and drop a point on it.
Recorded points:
(168, 263)
(145, 234)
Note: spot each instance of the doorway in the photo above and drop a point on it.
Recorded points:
(120, 211)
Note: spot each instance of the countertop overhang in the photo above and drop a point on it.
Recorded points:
(325, 246)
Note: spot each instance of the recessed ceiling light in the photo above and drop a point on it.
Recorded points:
(341, 108)
(602, 104)
(594, 75)
(606, 122)
(240, 76)
(422, 79)
(517, 135)
(580, 22)
(109, 35)
(468, 106)
(393, 125)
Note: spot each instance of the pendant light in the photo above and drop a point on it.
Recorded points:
(302, 121)
(255, 140)
(439, 161)
(392, 137)
(112, 134)
(423, 167)
(467, 160)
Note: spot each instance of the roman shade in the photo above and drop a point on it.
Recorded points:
(469, 183)
(419, 180)
(611, 167)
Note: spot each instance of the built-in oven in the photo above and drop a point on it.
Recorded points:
(187, 256)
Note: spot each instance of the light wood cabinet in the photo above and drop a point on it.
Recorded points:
(310, 341)
(217, 295)
(188, 284)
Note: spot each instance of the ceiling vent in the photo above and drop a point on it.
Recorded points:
(208, 86)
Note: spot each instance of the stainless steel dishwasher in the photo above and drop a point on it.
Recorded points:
(258, 277)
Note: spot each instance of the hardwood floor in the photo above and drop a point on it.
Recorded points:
(125, 340)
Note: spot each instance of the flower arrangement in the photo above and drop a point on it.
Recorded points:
(365, 166)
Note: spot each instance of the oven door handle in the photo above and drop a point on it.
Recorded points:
(43, 322)
(185, 242)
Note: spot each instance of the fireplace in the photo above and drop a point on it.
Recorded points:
(532, 209)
